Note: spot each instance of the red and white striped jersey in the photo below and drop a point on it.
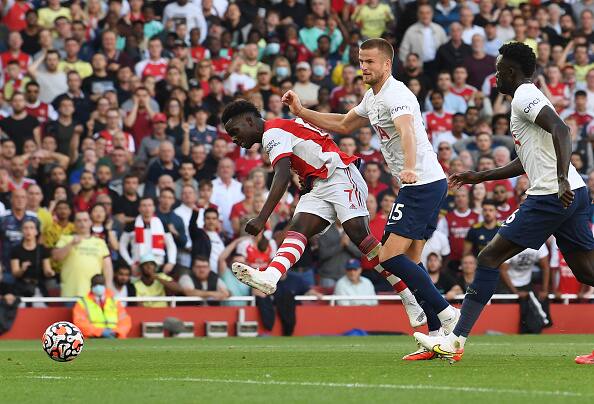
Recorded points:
(313, 153)
(42, 111)
(437, 123)
(465, 91)
(148, 67)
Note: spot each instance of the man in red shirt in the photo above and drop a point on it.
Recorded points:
(372, 175)
(15, 41)
(87, 195)
(580, 112)
(35, 107)
(505, 204)
(347, 89)
(459, 87)
(364, 151)
(155, 65)
(455, 226)
(437, 121)
(14, 18)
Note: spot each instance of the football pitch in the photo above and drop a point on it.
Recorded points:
(495, 369)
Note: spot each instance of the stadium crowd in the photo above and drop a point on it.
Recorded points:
(114, 161)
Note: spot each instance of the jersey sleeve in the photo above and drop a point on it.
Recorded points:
(361, 108)
(399, 107)
(277, 143)
(528, 103)
(543, 252)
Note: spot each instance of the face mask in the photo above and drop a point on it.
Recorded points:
(98, 290)
(272, 48)
(319, 70)
(282, 71)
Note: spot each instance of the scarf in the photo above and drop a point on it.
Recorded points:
(149, 239)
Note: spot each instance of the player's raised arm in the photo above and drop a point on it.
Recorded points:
(551, 122)
(343, 124)
(510, 170)
(280, 182)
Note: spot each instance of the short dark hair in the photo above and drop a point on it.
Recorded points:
(521, 54)
(489, 202)
(580, 93)
(211, 210)
(168, 189)
(32, 83)
(205, 183)
(381, 44)
(144, 198)
(238, 107)
(202, 258)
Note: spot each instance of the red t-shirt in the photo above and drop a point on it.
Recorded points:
(256, 258)
(567, 281)
(458, 226)
(437, 123)
(21, 57)
(14, 19)
(243, 166)
(490, 185)
(142, 127)
(375, 191)
(370, 155)
(465, 92)
(504, 211)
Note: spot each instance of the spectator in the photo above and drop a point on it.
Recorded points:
(66, 129)
(469, 29)
(60, 225)
(30, 263)
(372, 174)
(452, 103)
(123, 287)
(482, 232)
(99, 314)
(467, 271)
(479, 64)
(52, 81)
(171, 221)
(437, 121)
(506, 204)
(82, 105)
(455, 225)
(454, 51)
(149, 237)
(373, 18)
(34, 199)
(203, 282)
(226, 192)
(102, 226)
(153, 284)
(20, 126)
(443, 282)
(212, 229)
(127, 206)
(446, 13)
(353, 284)
(81, 257)
(334, 250)
(517, 272)
(72, 62)
(234, 286)
(365, 150)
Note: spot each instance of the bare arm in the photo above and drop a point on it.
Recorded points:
(59, 254)
(343, 124)
(510, 170)
(404, 125)
(108, 271)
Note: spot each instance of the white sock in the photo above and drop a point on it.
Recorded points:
(457, 339)
(407, 296)
(434, 333)
(446, 314)
(273, 274)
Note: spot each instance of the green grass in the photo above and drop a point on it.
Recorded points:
(510, 369)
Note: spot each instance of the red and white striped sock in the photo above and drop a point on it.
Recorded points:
(371, 247)
(289, 252)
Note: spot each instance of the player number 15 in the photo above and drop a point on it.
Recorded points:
(397, 212)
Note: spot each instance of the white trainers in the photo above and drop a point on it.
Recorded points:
(449, 324)
(260, 280)
(416, 315)
(446, 347)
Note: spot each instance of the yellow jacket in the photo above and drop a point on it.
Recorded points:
(93, 318)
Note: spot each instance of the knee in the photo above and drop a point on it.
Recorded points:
(585, 277)
(488, 259)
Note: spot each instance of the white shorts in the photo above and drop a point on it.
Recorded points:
(342, 196)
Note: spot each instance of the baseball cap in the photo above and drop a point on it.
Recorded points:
(353, 264)
(147, 258)
(303, 65)
(264, 69)
(159, 117)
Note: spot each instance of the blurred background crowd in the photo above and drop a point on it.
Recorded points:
(113, 159)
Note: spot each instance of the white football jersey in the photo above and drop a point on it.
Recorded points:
(534, 145)
(394, 100)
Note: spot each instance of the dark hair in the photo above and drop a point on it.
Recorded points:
(437, 91)
(211, 210)
(521, 54)
(168, 189)
(239, 107)
(130, 175)
(205, 183)
(580, 93)
(489, 202)
(202, 258)
(144, 198)
(381, 44)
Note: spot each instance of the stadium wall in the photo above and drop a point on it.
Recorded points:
(314, 320)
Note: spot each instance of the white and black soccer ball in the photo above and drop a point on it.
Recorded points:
(62, 341)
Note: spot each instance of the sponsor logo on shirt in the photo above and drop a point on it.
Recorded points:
(399, 108)
(531, 104)
(271, 146)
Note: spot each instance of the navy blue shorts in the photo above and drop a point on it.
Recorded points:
(541, 216)
(416, 210)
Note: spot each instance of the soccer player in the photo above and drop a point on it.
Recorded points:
(557, 201)
(336, 191)
(395, 114)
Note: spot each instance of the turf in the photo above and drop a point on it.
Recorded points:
(501, 369)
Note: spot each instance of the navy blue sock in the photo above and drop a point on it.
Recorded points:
(433, 322)
(477, 296)
(417, 280)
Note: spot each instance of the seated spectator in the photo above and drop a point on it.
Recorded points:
(372, 174)
(30, 264)
(234, 286)
(61, 224)
(353, 284)
(153, 284)
(517, 272)
(335, 248)
(99, 314)
(445, 284)
(203, 282)
(506, 205)
(468, 269)
(122, 285)
(81, 256)
(148, 236)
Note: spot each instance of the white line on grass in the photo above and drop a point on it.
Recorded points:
(556, 393)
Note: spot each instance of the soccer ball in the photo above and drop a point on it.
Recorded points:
(62, 341)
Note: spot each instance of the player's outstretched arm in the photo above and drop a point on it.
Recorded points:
(280, 182)
(551, 122)
(343, 124)
(510, 170)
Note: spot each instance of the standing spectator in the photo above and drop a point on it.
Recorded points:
(72, 62)
(45, 71)
(479, 64)
(437, 121)
(460, 87)
(66, 129)
(353, 284)
(155, 66)
(212, 228)
(60, 225)
(334, 250)
(452, 103)
(82, 256)
(11, 223)
(203, 282)
(172, 222)
(100, 81)
(164, 164)
(126, 207)
(446, 13)
(49, 14)
(14, 15)
(582, 115)
(305, 89)
(365, 150)
(373, 18)
(149, 147)
(469, 29)
(506, 205)
(153, 284)
(372, 175)
(14, 53)
(34, 199)
(34, 107)
(148, 237)
(467, 272)
(99, 314)
(87, 195)
(30, 263)
(82, 105)
(183, 11)
(481, 233)
(226, 192)
(455, 51)
(456, 224)
(423, 38)
(20, 126)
